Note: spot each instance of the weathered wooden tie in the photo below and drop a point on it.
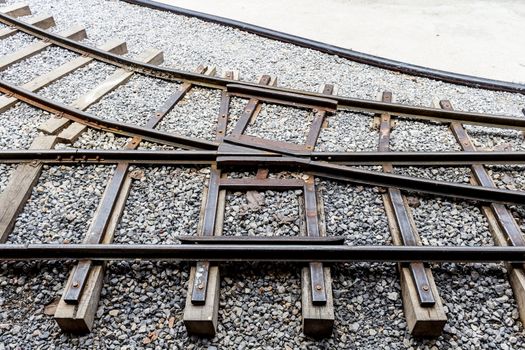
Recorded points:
(317, 302)
(18, 190)
(202, 300)
(423, 307)
(503, 227)
(16, 10)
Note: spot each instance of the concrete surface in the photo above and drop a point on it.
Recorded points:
(482, 38)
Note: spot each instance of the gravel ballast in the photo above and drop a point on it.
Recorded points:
(60, 203)
(281, 123)
(140, 97)
(15, 42)
(142, 302)
(18, 127)
(5, 173)
(347, 132)
(79, 82)
(194, 116)
(264, 213)
(49, 59)
(160, 197)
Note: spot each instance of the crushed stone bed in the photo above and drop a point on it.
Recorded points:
(142, 302)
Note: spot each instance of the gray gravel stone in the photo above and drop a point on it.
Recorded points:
(156, 146)
(281, 123)
(492, 139)
(422, 137)
(236, 108)
(15, 42)
(264, 213)
(139, 99)
(61, 205)
(5, 173)
(354, 212)
(507, 177)
(18, 130)
(460, 175)
(26, 70)
(480, 316)
(195, 116)
(26, 288)
(347, 132)
(455, 223)
(94, 139)
(76, 84)
(163, 204)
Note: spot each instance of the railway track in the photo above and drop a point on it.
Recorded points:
(230, 155)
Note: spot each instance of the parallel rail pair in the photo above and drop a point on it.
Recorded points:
(422, 303)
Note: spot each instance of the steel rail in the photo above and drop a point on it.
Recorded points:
(172, 74)
(93, 156)
(103, 124)
(241, 252)
(375, 178)
(324, 169)
(408, 111)
(381, 62)
(169, 157)
(437, 159)
(447, 189)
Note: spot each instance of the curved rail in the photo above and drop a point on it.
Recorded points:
(361, 57)
(257, 90)
(103, 124)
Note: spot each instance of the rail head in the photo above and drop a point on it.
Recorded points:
(258, 252)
